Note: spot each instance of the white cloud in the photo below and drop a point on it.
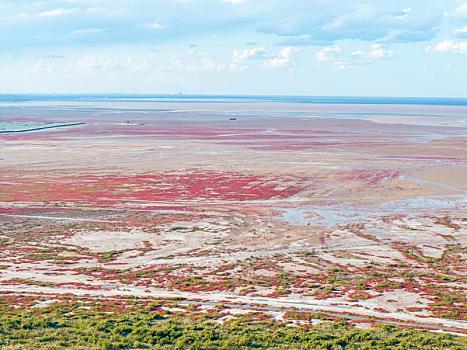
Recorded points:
(94, 10)
(451, 46)
(368, 21)
(240, 56)
(328, 53)
(461, 11)
(57, 12)
(93, 63)
(283, 59)
(87, 31)
(190, 62)
(376, 52)
(356, 59)
(182, 65)
(207, 63)
(47, 64)
(461, 32)
(235, 2)
(154, 25)
(402, 14)
(7, 57)
(333, 54)
(251, 53)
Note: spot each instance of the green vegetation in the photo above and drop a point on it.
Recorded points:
(108, 256)
(72, 326)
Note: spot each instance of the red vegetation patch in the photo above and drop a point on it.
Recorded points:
(371, 176)
(173, 186)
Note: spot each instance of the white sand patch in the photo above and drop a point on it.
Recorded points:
(277, 315)
(224, 319)
(431, 252)
(304, 322)
(417, 232)
(35, 273)
(104, 241)
(265, 273)
(343, 261)
(342, 238)
(395, 301)
(234, 311)
(44, 303)
(378, 254)
(362, 325)
(172, 309)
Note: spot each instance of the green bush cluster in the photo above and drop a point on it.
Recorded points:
(146, 329)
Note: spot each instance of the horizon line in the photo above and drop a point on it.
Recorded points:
(181, 94)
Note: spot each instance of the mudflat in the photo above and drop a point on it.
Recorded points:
(352, 210)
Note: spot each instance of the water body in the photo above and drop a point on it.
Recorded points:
(181, 98)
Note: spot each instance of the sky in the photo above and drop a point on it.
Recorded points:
(264, 47)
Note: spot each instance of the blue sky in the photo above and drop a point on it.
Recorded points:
(296, 47)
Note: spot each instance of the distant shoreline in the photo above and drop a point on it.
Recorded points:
(40, 128)
(443, 101)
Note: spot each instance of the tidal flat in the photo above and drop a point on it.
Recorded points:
(283, 210)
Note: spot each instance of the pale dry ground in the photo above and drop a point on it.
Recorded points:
(406, 213)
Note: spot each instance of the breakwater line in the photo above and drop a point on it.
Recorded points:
(39, 128)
